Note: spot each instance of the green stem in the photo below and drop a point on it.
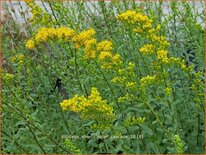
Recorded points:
(17, 144)
(156, 116)
(108, 85)
(19, 112)
(35, 138)
(77, 73)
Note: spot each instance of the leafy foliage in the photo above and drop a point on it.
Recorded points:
(103, 77)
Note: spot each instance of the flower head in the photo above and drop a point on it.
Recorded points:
(30, 44)
(104, 46)
(145, 81)
(147, 49)
(82, 37)
(104, 55)
(91, 107)
(162, 55)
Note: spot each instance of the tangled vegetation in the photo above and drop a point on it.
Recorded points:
(103, 77)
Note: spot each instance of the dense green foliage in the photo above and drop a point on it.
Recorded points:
(126, 99)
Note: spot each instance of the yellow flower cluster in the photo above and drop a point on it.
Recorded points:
(116, 58)
(28, 1)
(168, 91)
(74, 104)
(145, 81)
(89, 49)
(7, 77)
(19, 58)
(147, 49)
(106, 57)
(119, 80)
(64, 33)
(105, 46)
(127, 97)
(104, 51)
(143, 24)
(70, 146)
(161, 41)
(45, 34)
(130, 67)
(30, 44)
(158, 42)
(179, 144)
(110, 63)
(80, 39)
(84, 39)
(128, 16)
(122, 77)
(162, 56)
(175, 60)
(131, 85)
(38, 15)
(154, 30)
(91, 107)
(103, 55)
(180, 63)
(136, 19)
(138, 30)
(198, 85)
(134, 121)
